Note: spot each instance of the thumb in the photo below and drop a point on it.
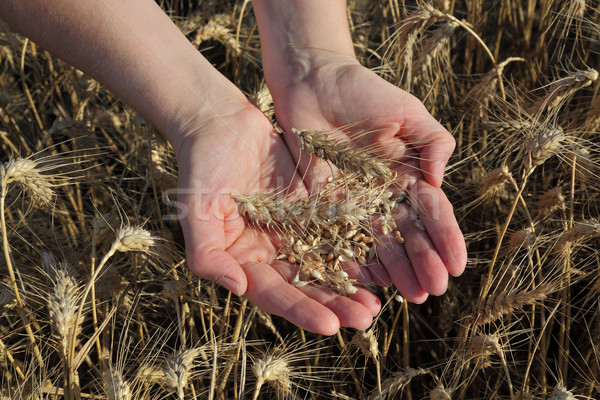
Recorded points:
(205, 243)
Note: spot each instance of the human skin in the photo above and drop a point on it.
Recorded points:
(134, 49)
(322, 86)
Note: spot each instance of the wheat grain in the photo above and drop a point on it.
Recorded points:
(321, 232)
(272, 369)
(523, 238)
(263, 100)
(561, 90)
(27, 173)
(177, 369)
(366, 342)
(494, 182)
(403, 41)
(481, 347)
(399, 379)
(433, 51)
(580, 231)
(133, 238)
(550, 201)
(219, 28)
(440, 393)
(62, 306)
(541, 146)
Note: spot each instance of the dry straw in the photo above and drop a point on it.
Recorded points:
(116, 386)
(515, 324)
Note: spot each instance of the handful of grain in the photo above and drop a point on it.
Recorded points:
(335, 225)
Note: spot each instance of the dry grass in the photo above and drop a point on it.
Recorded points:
(96, 300)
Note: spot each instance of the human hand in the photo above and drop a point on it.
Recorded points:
(237, 152)
(338, 92)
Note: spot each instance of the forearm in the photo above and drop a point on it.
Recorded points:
(298, 35)
(132, 48)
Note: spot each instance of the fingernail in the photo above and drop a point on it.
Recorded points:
(229, 284)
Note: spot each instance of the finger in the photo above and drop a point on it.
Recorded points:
(272, 293)
(367, 299)
(217, 266)
(355, 311)
(351, 312)
(379, 274)
(398, 265)
(434, 143)
(424, 258)
(372, 273)
(439, 222)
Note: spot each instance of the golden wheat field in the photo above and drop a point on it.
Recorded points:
(95, 296)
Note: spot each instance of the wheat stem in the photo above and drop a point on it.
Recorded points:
(11, 273)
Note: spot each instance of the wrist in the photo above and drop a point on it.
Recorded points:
(299, 36)
(215, 116)
(305, 68)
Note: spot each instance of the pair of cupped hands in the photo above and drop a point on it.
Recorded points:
(238, 151)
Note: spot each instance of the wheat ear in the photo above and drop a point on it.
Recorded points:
(561, 90)
(500, 304)
(541, 146)
(273, 369)
(177, 369)
(340, 154)
(116, 386)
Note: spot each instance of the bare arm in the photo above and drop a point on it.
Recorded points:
(134, 49)
(298, 35)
